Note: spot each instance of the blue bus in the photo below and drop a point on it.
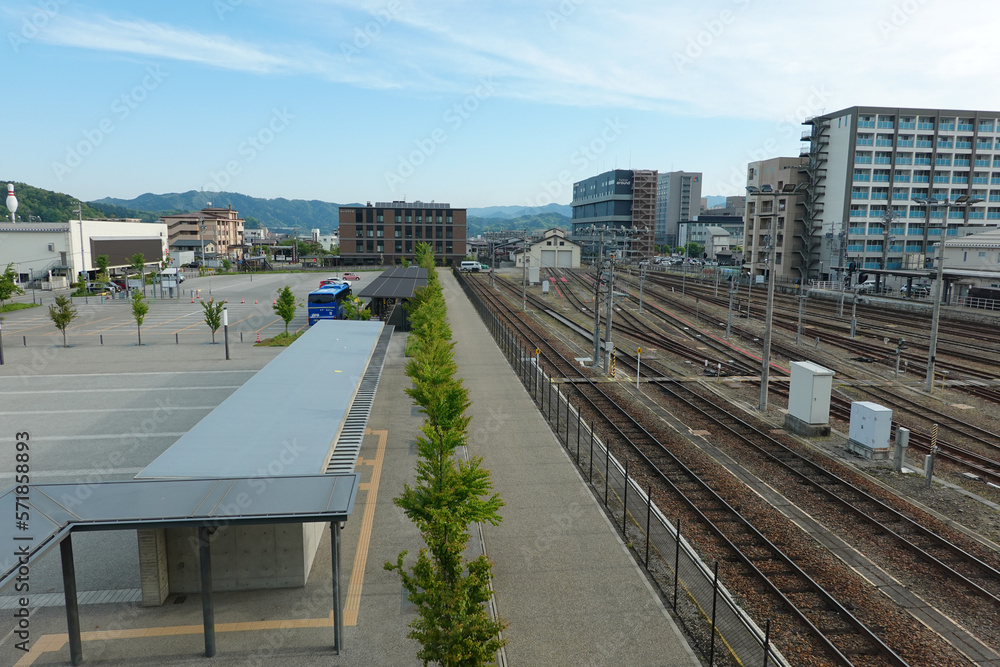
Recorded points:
(327, 302)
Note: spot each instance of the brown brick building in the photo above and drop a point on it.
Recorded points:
(388, 231)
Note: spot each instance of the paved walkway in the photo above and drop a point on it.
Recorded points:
(563, 579)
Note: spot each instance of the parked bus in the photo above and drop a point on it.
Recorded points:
(327, 302)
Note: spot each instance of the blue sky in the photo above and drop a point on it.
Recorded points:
(472, 102)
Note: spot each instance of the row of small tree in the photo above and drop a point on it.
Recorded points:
(452, 626)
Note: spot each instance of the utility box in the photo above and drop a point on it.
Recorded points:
(809, 399)
(545, 287)
(533, 275)
(871, 428)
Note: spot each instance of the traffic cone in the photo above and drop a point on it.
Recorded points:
(192, 297)
(225, 301)
(242, 301)
(258, 336)
(255, 302)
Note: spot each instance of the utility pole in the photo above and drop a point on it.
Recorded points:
(642, 282)
(524, 273)
(597, 300)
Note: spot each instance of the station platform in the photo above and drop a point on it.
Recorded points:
(563, 579)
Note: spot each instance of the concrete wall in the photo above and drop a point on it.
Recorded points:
(244, 557)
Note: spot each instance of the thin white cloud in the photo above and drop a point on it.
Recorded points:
(163, 41)
(745, 58)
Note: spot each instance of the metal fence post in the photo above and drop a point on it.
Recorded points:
(607, 468)
(715, 595)
(649, 511)
(579, 420)
(590, 461)
(677, 560)
(558, 398)
(767, 640)
(625, 501)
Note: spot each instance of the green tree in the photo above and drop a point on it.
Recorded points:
(8, 286)
(213, 315)
(353, 310)
(62, 314)
(139, 309)
(284, 306)
(227, 265)
(102, 268)
(452, 625)
(138, 263)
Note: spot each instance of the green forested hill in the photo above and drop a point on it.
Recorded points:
(301, 213)
(38, 205)
(477, 225)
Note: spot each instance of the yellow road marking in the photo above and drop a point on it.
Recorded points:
(353, 601)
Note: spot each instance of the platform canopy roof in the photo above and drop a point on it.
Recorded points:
(396, 283)
(53, 510)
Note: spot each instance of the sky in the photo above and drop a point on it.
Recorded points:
(471, 102)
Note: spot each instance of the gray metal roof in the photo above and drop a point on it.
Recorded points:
(56, 509)
(396, 283)
(286, 418)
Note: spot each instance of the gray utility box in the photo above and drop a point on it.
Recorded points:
(809, 399)
(871, 427)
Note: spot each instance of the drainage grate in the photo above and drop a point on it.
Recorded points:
(345, 453)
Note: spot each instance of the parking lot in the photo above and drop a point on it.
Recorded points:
(180, 320)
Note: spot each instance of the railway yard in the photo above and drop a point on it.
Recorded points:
(841, 559)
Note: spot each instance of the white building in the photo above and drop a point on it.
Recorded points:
(867, 165)
(551, 251)
(62, 250)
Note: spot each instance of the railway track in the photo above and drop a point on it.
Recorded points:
(813, 611)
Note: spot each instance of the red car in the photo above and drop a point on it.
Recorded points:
(351, 276)
(330, 281)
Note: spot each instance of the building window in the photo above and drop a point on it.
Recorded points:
(359, 247)
(399, 247)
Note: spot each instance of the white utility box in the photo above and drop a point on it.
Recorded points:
(809, 392)
(871, 430)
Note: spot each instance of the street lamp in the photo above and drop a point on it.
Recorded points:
(790, 190)
(964, 201)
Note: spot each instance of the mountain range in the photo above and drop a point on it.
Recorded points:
(301, 214)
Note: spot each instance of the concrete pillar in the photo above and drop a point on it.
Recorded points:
(153, 566)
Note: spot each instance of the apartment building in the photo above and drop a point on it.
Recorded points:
(776, 212)
(222, 227)
(622, 200)
(678, 197)
(888, 183)
(387, 232)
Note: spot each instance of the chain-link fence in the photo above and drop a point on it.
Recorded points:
(720, 630)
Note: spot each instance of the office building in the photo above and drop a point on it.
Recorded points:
(622, 200)
(776, 212)
(873, 171)
(678, 197)
(387, 232)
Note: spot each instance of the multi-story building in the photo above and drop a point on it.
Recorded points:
(623, 200)
(776, 209)
(876, 174)
(718, 233)
(388, 231)
(223, 227)
(678, 197)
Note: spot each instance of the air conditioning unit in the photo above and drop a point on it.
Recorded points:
(52, 247)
